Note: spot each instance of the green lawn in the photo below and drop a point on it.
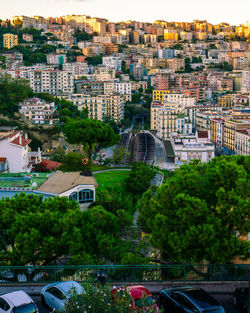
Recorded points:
(111, 178)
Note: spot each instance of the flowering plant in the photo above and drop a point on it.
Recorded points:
(97, 300)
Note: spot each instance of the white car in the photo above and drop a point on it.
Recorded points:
(17, 302)
(54, 295)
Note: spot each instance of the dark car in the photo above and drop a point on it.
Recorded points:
(188, 300)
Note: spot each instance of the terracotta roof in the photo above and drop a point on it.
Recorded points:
(23, 143)
(8, 135)
(50, 165)
(202, 134)
(60, 182)
(2, 160)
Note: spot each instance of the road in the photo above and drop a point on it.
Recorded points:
(225, 300)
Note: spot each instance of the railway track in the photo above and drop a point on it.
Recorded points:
(144, 147)
(140, 147)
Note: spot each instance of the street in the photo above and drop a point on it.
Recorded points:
(225, 300)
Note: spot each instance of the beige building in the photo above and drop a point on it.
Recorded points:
(100, 106)
(242, 141)
(10, 40)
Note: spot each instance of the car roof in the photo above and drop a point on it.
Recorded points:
(66, 286)
(17, 298)
(138, 291)
(197, 295)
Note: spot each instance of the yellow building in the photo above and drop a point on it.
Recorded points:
(170, 35)
(229, 133)
(10, 40)
(158, 95)
(226, 101)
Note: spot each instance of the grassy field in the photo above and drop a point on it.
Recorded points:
(111, 178)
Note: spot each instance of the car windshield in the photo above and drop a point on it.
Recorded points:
(203, 299)
(146, 301)
(26, 308)
(219, 310)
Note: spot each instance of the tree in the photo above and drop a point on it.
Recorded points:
(101, 238)
(95, 60)
(118, 154)
(90, 133)
(72, 161)
(139, 178)
(12, 92)
(194, 216)
(35, 231)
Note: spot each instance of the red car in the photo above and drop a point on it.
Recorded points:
(142, 299)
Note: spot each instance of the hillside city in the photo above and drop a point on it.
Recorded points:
(125, 157)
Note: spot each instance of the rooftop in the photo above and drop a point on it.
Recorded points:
(22, 180)
(60, 182)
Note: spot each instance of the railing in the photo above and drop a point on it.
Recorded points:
(126, 273)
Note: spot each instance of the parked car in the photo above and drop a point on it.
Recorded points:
(142, 299)
(242, 299)
(54, 295)
(17, 302)
(188, 300)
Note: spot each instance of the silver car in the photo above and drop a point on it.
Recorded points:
(54, 295)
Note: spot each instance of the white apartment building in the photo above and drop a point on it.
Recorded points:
(166, 119)
(54, 82)
(122, 88)
(77, 68)
(99, 106)
(245, 81)
(112, 62)
(190, 147)
(38, 111)
(179, 98)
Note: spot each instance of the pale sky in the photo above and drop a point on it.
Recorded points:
(214, 11)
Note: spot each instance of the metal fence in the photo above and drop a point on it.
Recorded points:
(126, 273)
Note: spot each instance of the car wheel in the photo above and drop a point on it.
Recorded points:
(43, 301)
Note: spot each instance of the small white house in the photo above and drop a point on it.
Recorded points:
(14, 154)
(75, 185)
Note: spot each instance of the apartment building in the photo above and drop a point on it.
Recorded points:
(56, 59)
(76, 68)
(38, 111)
(54, 82)
(176, 64)
(178, 98)
(242, 141)
(121, 88)
(10, 40)
(189, 147)
(225, 101)
(231, 126)
(245, 81)
(99, 106)
(158, 95)
(216, 131)
(112, 62)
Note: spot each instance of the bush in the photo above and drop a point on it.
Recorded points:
(97, 300)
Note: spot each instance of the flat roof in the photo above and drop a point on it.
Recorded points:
(60, 182)
(20, 180)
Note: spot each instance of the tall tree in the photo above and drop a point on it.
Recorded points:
(36, 231)
(201, 213)
(90, 133)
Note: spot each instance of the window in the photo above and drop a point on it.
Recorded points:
(4, 305)
(184, 301)
(56, 293)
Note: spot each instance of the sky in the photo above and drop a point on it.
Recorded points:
(214, 11)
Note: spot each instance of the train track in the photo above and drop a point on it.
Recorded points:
(140, 147)
(144, 147)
